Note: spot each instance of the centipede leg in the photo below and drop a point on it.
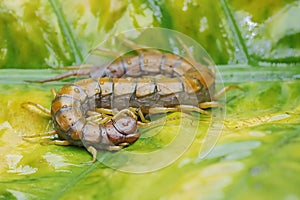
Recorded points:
(157, 110)
(105, 111)
(190, 55)
(211, 104)
(189, 108)
(94, 153)
(180, 108)
(98, 117)
(108, 114)
(130, 44)
(50, 133)
(192, 58)
(103, 120)
(226, 89)
(57, 142)
(62, 76)
(108, 51)
(127, 112)
(92, 150)
(36, 108)
(150, 124)
(28, 138)
(134, 46)
(53, 92)
(115, 148)
(139, 112)
(95, 117)
(157, 122)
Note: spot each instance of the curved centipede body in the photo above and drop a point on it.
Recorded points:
(69, 114)
(146, 63)
(148, 80)
(151, 63)
(71, 104)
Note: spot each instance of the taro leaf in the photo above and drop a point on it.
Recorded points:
(257, 154)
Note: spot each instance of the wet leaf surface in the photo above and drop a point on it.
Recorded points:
(257, 151)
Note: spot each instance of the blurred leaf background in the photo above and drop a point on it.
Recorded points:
(256, 45)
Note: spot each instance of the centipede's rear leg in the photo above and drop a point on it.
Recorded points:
(39, 109)
(189, 53)
(179, 108)
(36, 108)
(136, 47)
(226, 89)
(108, 51)
(75, 71)
(46, 134)
(213, 104)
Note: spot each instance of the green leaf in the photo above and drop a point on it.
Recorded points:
(31, 36)
(256, 156)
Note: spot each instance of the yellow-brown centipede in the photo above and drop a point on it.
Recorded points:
(151, 81)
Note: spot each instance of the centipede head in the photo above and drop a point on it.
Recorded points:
(113, 135)
(124, 130)
(125, 125)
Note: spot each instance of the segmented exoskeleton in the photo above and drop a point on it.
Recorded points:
(152, 81)
(159, 76)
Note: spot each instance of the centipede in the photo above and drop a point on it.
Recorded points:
(105, 110)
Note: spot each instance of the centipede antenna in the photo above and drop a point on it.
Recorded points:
(36, 108)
